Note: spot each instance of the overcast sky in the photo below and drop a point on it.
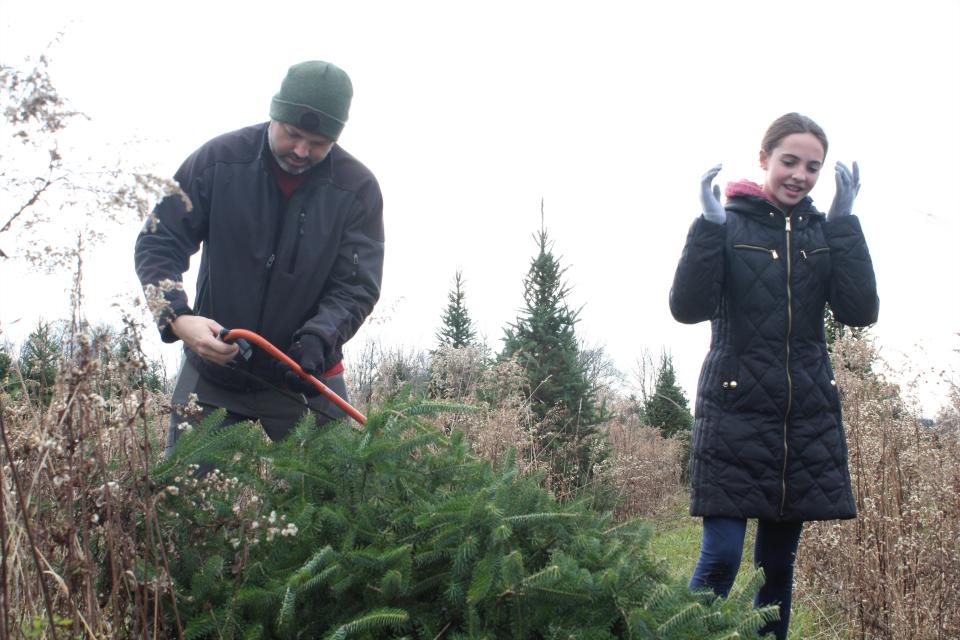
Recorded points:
(470, 113)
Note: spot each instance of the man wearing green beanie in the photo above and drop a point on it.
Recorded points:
(290, 228)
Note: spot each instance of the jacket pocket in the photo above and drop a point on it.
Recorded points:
(728, 382)
(833, 393)
(806, 254)
(354, 265)
(752, 247)
(301, 222)
(815, 262)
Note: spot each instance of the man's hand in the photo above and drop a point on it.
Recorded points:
(848, 186)
(307, 351)
(201, 336)
(710, 198)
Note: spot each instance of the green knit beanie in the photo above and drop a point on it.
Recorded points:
(315, 96)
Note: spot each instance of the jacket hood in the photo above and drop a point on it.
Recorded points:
(752, 192)
(746, 188)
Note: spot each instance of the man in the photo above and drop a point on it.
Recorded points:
(291, 228)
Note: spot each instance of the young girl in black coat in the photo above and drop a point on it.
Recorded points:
(768, 440)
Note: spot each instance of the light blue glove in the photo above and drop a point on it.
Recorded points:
(848, 185)
(710, 198)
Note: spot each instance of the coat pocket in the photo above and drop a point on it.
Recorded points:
(807, 254)
(295, 253)
(728, 379)
(774, 254)
(816, 261)
(833, 392)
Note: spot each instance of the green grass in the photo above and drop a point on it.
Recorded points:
(676, 541)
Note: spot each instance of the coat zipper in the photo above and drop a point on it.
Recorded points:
(786, 416)
(268, 268)
(772, 252)
(805, 253)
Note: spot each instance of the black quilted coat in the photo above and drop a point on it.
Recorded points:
(768, 440)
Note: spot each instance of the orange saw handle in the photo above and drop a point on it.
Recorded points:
(229, 335)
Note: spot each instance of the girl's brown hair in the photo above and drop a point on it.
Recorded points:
(788, 124)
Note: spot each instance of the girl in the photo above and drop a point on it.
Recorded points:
(768, 442)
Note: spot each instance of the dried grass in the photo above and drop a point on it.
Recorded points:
(74, 495)
(76, 514)
(638, 470)
(894, 570)
(644, 470)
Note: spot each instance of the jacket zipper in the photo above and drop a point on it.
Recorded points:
(786, 416)
(772, 252)
(268, 268)
(806, 253)
(296, 243)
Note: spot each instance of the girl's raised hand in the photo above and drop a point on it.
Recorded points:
(710, 198)
(848, 185)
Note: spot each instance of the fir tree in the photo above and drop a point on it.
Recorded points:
(457, 330)
(39, 360)
(394, 530)
(544, 341)
(6, 366)
(667, 407)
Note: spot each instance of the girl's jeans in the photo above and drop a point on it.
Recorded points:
(775, 551)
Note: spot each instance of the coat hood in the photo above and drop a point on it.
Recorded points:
(746, 188)
(751, 192)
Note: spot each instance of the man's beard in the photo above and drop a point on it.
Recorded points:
(293, 169)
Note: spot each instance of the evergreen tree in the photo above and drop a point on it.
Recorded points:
(394, 530)
(6, 366)
(39, 360)
(544, 342)
(457, 330)
(667, 407)
(122, 364)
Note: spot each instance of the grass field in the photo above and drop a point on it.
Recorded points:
(676, 540)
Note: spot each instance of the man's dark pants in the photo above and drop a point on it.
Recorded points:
(276, 411)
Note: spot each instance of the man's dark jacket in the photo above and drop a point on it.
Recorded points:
(311, 265)
(768, 441)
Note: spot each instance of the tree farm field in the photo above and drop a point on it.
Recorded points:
(527, 492)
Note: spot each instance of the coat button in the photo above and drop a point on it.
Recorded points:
(771, 214)
(726, 385)
(733, 384)
(833, 383)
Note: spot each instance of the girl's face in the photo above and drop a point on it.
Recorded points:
(792, 168)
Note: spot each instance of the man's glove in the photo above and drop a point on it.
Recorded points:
(710, 198)
(307, 351)
(848, 185)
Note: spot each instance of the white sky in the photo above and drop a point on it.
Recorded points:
(470, 112)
